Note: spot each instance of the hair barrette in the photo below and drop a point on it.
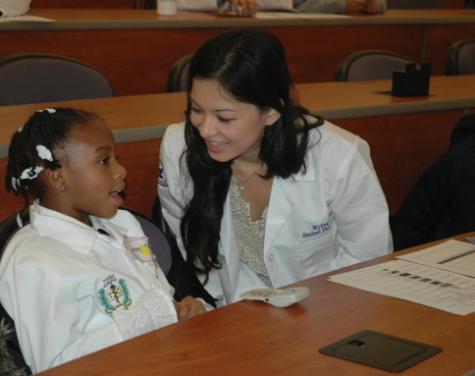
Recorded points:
(44, 153)
(49, 110)
(30, 173)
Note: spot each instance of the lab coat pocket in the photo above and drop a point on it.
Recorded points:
(315, 255)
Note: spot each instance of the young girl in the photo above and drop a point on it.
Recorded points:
(259, 192)
(80, 276)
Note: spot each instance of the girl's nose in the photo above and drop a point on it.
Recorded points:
(121, 172)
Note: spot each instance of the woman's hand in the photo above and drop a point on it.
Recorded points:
(188, 307)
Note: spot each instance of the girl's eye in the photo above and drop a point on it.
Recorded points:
(105, 161)
(196, 110)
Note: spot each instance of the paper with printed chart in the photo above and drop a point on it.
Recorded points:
(452, 255)
(417, 283)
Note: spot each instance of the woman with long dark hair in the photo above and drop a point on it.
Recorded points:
(257, 191)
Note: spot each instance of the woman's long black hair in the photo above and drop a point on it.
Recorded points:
(251, 66)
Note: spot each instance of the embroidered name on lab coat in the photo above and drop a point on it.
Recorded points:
(317, 230)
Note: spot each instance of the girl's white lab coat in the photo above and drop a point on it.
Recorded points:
(333, 215)
(51, 277)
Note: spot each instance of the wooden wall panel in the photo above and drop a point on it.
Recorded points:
(403, 147)
(457, 4)
(314, 57)
(135, 61)
(141, 159)
(439, 41)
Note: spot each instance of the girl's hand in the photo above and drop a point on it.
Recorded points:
(188, 307)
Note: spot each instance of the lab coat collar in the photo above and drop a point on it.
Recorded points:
(70, 231)
(308, 174)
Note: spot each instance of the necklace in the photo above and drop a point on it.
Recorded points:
(241, 183)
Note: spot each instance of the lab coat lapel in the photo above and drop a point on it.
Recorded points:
(280, 206)
(284, 198)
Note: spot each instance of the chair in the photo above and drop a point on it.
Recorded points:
(158, 241)
(370, 65)
(33, 78)
(178, 75)
(181, 275)
(415, 4)
(461, 58)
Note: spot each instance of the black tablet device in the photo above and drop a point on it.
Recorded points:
(381, 350)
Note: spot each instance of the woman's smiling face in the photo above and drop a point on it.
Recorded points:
(231, 129)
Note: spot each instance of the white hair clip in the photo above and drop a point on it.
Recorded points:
(44, 153)
(30, 173)
(50, 110)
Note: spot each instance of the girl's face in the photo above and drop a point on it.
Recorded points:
(93, 178)
(231, 129)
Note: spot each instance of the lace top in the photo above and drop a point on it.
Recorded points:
(249, 234)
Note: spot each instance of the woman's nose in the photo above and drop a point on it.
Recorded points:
(206, 127)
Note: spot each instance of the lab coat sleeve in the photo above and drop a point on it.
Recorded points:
(358, 205)
(171, 185)
(48, 319)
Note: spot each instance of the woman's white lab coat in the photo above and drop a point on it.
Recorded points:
(332, 215)
(72, 290)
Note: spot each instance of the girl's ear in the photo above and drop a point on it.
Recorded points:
(272, 116)
(55, 179)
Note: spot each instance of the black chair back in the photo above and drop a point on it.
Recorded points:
(371, 65)
(33, 78)
(461, 58)
(178, 75)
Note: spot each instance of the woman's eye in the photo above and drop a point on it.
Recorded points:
(224, 120)
(196, 110)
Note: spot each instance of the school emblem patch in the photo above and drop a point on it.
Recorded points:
(113, 293)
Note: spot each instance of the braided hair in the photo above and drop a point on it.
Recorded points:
(35, 146)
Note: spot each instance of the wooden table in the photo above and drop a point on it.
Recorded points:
(136, 48)
(251, 338)
(406, 135)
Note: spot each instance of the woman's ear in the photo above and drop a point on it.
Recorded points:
(55, 179)
(272, 116)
